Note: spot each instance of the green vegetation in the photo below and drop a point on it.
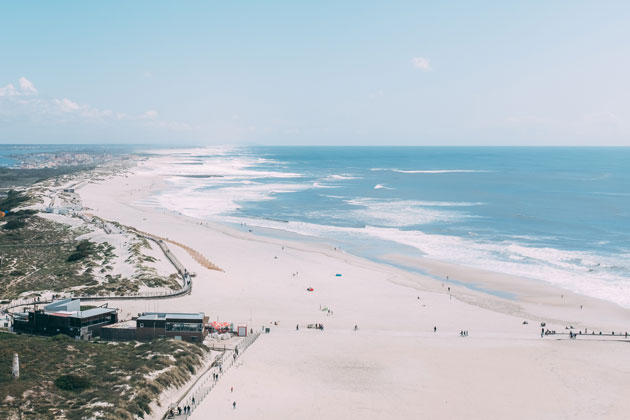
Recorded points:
(84, 249)
(14, 224)
(21, 177)
(34, 257)
(12, 200)
(146, 274)
(72, 382)
(15, 219)
(64, 378)
(40, 254)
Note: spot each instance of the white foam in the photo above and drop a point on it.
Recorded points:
(400, 213)
(204, 203)
(571, 270)
(238, 182)
(430, 171)
(341, 177)
(320, 185)
(219, 184)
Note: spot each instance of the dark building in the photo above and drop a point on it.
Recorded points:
(189, 327)
(65, 317)
(122, 331)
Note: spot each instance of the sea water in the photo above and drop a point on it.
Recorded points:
(560, 215)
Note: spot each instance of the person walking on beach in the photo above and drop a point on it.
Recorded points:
(234, 405)
(231, 389)
(434, 329)
(297, 327)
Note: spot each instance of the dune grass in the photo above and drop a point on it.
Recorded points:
(64, 378)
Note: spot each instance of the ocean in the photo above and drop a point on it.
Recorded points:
(561, 215)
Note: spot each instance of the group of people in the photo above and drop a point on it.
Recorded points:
(463, 333)
(544, 332)
(186, 410)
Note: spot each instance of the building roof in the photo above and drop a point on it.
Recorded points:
(164, 316)
(63, 305)
(93, 312)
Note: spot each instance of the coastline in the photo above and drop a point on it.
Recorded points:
(396, 311)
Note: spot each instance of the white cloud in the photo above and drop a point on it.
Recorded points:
(20, 101)
(8, 90)
(27, 86)
(421, 63)
(149, 115)
(66, 105)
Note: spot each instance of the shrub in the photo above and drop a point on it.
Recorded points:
(83, 250)
(14, 224)
(72, 382)
(12, 200)
(76, 256)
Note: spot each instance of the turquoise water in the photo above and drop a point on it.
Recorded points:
(560, 215)
(571, 199)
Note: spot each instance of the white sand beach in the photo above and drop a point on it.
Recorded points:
(395, 366)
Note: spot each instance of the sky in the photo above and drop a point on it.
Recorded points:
(316, 73)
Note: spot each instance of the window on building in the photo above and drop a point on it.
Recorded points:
(184, 326)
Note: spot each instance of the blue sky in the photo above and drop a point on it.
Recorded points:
(352, 73)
